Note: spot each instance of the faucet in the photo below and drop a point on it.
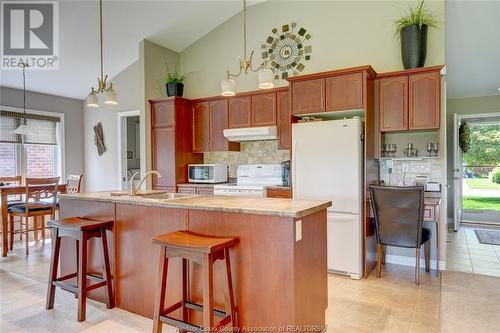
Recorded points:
(133, 189)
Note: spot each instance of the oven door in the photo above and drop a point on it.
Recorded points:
(201, 174)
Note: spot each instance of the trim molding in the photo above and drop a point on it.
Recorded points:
(410, 261)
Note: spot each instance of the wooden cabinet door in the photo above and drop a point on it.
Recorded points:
(284, 121)
(186, 190)
(163, 114)
(205, 190)
(201, 127)
(164, 156)
(264, 110)
(308, 96)
(240, 112)
(344, 92)
(393, 104)
(218, 123)
(425, 101)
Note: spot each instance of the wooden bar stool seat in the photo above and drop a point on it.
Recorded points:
(203, 250)
(82, 230)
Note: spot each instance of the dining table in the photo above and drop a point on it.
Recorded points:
(13, 190)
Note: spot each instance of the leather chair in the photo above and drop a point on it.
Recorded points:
(399, 216)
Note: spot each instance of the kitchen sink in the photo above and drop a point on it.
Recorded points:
(170, 196)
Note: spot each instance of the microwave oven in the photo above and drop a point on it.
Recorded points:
(207, 173)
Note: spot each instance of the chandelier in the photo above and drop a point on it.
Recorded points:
(265, 74)
(24, 128)
(103, 87)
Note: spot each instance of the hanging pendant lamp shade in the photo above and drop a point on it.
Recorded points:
(110, 96)
(227, 87)
(91, 101)
(266, 77)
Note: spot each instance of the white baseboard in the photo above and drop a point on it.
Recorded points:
(410, 261)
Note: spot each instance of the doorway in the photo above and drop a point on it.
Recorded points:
(474, 244)
(129, 146)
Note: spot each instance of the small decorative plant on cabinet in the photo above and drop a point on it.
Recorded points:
(412, 31)
(175, 85)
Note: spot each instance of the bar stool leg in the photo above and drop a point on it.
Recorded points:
(160, 291)
(185, 291)
(27, 235)
(110, 301)
(54, 263)
(82, 277)
(11, 233)
(43, 229)
(231, 310)
(208, 288)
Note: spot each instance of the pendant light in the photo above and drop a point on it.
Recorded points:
(265, 74)
(107, 91)
(24, 128)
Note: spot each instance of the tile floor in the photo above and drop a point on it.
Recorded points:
(457, 302)
(464, 253)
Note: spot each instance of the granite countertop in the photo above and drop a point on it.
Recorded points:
(259, 206)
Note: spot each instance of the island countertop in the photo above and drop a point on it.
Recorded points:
(259, 206)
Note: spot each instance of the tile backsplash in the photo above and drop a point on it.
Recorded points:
(404, 172)
(254, 152)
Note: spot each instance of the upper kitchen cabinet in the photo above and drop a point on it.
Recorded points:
(338, 90)
(393, 103)
(410, 100)
(240, 112)
(171, 141)
(344, 92)
(210, 119)
(201, 127)
(425, 101)
(264, 109)
(284, 114)
(308, 96)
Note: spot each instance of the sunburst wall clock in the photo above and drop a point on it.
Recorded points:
(286, 50)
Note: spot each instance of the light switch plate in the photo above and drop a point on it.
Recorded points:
(298, 230)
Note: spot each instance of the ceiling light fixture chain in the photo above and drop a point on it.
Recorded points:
(245, 65)
(102, 80)
(24, 129)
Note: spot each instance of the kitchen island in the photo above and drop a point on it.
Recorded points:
(279, 263)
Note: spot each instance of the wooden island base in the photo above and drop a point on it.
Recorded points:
(280, 283)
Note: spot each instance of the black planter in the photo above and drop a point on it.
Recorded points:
(414, 46)
(175, 89)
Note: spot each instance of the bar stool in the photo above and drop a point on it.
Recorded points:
(203, 250)
(82, 230)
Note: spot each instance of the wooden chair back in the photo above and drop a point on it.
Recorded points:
(38, 189)
(12, 179)
(73, 184)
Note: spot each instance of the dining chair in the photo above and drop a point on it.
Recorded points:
(13, 199)
(73, 184)
(399, 216)
(40, 200)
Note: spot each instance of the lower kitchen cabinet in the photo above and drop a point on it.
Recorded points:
(193, 189)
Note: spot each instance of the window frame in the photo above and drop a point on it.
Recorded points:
(59, 157)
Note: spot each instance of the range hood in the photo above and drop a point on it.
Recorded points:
(251, 133)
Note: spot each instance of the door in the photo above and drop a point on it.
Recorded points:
(283, 119)
(164, 156)
(344, 250)
(218, 123)
(264, 110)
(327, 164)
(457, 174)
(201, 127)
(425, 101)
(393, 104)
(308, 96)
(240, 112)
(344, 92)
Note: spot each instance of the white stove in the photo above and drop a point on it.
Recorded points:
(251, 180)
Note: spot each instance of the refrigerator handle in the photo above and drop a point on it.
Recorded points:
(294, 183)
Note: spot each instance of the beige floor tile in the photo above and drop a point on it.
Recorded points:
(459, 267)
(392, 326)
(487, 271)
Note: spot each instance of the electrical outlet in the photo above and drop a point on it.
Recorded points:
(298, 230)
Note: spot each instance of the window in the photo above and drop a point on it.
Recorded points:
(37, 155)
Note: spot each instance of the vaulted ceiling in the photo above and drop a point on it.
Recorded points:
(173, 24)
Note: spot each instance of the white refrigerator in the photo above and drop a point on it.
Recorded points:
(327, 164)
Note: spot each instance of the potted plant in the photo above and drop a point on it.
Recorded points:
(175, 85)
(412, 31)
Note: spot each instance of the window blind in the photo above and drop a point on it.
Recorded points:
(45, 128)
